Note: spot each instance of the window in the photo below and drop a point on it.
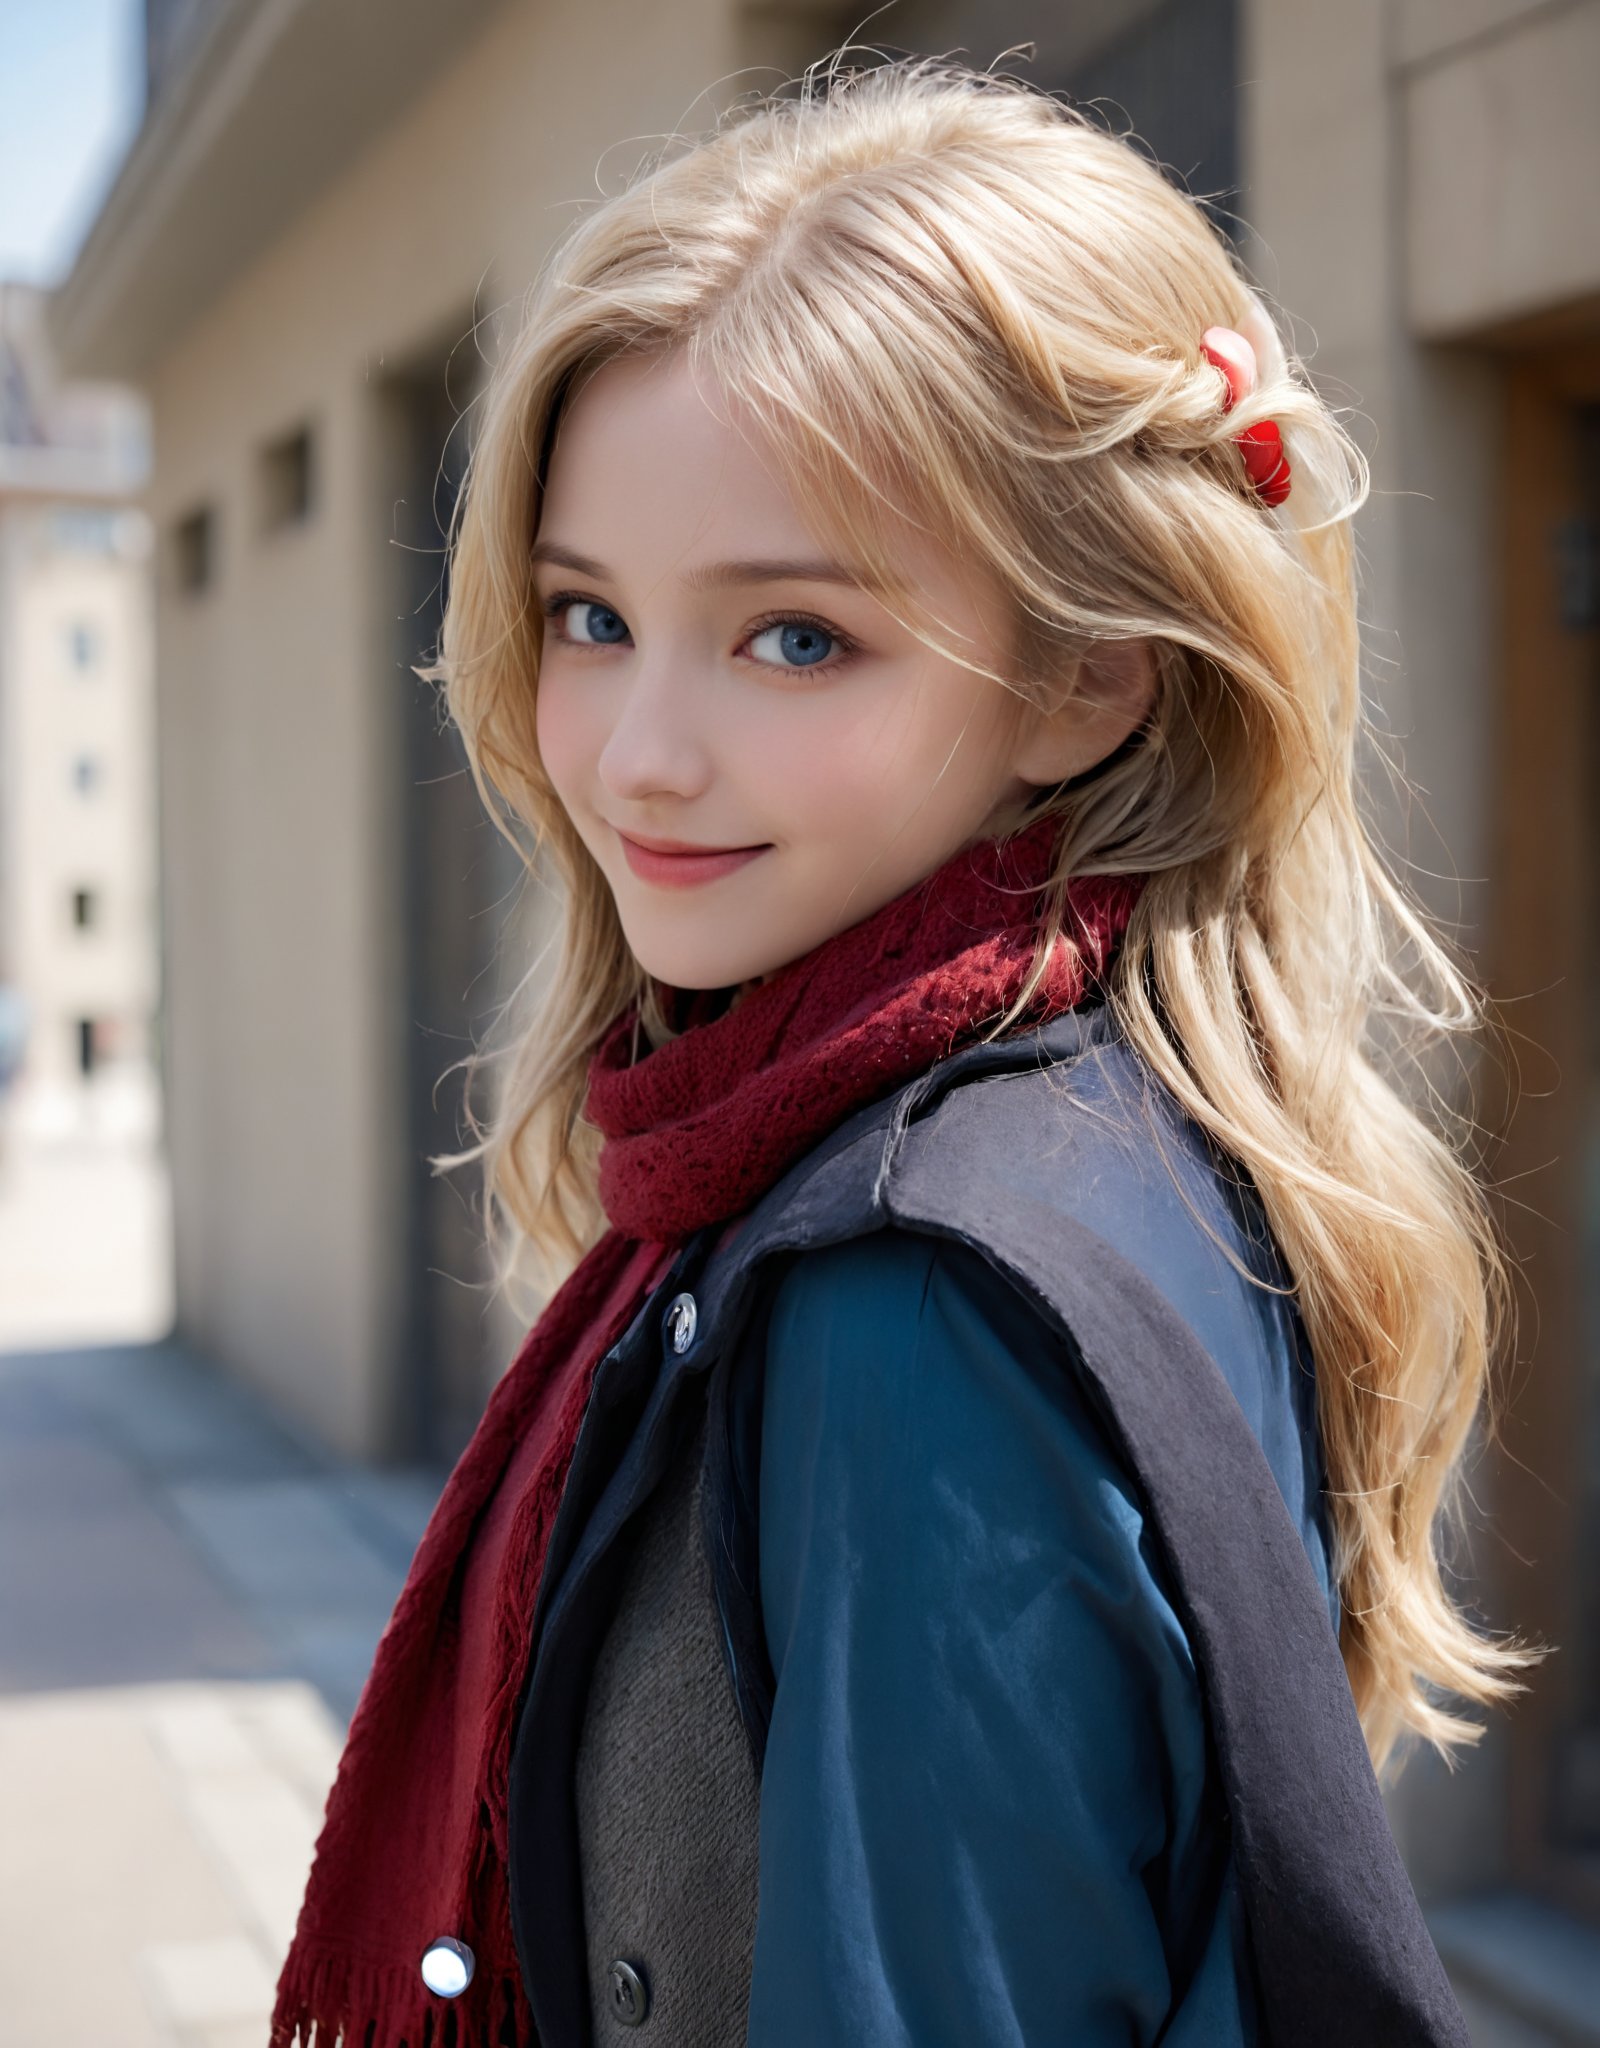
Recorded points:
(287, 481)
(86, 774)
(194, 550)
(85, 909)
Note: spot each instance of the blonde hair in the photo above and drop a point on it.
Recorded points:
(948, 292)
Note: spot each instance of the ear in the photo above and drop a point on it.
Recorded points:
(1110, 694)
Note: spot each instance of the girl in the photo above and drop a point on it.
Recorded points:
(939, 1568)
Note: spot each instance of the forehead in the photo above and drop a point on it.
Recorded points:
(650, 451)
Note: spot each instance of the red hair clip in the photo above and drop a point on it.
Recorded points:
(1265, 463)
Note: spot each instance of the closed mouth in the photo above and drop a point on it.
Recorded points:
(678, 863)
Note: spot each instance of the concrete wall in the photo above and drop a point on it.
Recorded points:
(1324, 179)
(280, 780)
(1414, 173)
(1500, 126)
(1419, 172)
(1323, 174)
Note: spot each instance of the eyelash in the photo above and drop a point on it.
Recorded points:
(557, 602)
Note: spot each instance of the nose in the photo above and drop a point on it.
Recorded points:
(655, 747)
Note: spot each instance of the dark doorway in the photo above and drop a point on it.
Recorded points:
(1576, 1798)
(1173, 74)
(1539, 1576)
(457, 874)
(1166, 69)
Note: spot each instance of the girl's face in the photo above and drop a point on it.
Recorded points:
(754, 750)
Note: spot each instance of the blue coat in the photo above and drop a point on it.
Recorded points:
(1017, 1542)
(988, 1739)
(987, 1812)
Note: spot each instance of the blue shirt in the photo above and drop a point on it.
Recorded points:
(987, 1814)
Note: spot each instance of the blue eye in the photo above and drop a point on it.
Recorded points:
(794, 643)
(590, 624)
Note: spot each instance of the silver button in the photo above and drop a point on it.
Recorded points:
(447, 1966)
(682, 1316)
(630, 1994)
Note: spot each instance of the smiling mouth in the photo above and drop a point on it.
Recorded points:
(675, 864)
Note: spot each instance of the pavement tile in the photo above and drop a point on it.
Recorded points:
(201, 1732)
(251, 2033)
(97, 1585)
(335, 1656)
(196, 1983)
(85, 1236)
(1526, 1957)
(291, 1730)
(286, 1548)
(1488, 2027)
(98, 1861)
(172, 1566)
(391, 1508)
(173, 1419)
(260, 1833)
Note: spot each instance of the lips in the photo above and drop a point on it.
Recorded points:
(677, 864)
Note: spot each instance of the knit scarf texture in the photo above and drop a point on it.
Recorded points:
(414, 1843)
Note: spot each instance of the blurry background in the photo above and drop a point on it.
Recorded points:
(253, 254)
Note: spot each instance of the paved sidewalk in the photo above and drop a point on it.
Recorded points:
(104, 1277)
(189, 1601)
(1527, 1976)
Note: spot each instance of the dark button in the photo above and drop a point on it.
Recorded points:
(447, 1966)
(630, 1994)
(682, 1317)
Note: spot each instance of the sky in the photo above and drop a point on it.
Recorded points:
(71, 87)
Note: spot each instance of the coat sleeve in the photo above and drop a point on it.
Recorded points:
(986, 1814)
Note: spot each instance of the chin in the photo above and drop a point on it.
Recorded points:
(698, 967)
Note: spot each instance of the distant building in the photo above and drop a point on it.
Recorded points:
(325, 198)
(77, 824)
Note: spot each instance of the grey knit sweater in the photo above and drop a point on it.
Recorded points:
(664, 1764)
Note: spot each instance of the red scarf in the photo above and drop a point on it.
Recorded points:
(414, 1844)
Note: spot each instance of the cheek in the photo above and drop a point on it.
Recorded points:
(786, 766)
(841, 758)
(567, 728)
(918, 750)
(808, 774)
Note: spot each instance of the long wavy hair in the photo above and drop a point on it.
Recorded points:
(947, 292)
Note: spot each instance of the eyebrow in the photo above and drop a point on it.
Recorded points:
(714, 575)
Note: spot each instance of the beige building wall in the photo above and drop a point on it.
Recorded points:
(1422, 176)
(279, 771)
(1324, 176)
(1419, 174)
(1500, 128)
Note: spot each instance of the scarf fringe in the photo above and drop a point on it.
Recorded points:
(337, 2002)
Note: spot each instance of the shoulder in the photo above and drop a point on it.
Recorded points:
(902, 1324)
(913, 1349)
(1060, 1152)
(1090, 1154)
(1095, 1137)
